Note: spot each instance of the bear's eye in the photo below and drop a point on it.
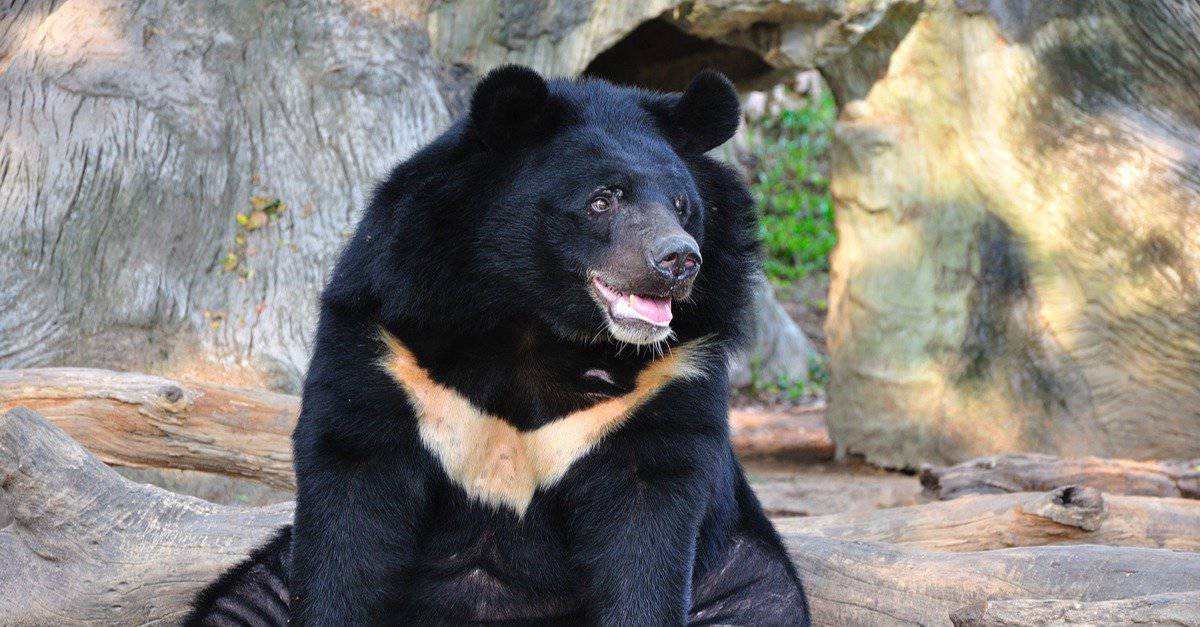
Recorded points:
(681, 205)
(605, 199)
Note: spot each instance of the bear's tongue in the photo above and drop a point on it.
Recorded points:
(656, 311)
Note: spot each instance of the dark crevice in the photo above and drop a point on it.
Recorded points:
(658, 55)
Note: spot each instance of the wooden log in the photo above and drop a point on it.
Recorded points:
(1070, 515)
(791, 434)
(1037, 473)
(146, 421)
(87, 546)
(139, 420)
(1182, 608)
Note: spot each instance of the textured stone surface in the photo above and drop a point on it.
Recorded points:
(1018, 266)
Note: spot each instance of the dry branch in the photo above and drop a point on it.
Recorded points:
(1038, 473)
(86, 545)
(1157, 609)
(130, 419)
(983, 522)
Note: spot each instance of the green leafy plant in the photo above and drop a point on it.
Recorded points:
(782, 387)
(791, 187)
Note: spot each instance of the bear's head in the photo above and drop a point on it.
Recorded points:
(587, 207)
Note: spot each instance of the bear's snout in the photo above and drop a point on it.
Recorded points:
(676, 257)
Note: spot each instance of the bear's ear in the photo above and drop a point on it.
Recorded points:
(508, 105)
(706, 114)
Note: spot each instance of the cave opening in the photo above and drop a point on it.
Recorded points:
(658, 55)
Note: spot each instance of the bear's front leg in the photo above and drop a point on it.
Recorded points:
(634, 509)
(354, 540)
(362, 482)
(361, 493)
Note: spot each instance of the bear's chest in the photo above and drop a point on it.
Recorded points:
(489, 457)
(478, 567)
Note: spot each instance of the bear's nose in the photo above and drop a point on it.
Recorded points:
(676, 257)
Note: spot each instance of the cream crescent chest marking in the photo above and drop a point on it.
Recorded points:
(500, 465)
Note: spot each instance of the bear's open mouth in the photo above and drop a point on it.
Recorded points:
(627, 306)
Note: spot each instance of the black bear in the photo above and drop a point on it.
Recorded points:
(516, 409)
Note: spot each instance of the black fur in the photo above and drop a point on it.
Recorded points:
(255, 592)
(475, 254)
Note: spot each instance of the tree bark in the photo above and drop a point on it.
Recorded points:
(145, 421)
(1032, 473)
(1070, 515)
(135, 134)
(1017, 267)
(1181, 609)
(86, 546)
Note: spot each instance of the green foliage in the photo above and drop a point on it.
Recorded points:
(789, 389)
(794, 390)
(818, 372)
(791, 187)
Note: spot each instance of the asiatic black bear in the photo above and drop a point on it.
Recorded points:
(516, 406)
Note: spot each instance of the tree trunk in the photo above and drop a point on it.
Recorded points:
(1017, 267)
(135, 134)
(862, 583)
(84, 545)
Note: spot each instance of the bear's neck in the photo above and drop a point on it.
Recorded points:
(523, 372)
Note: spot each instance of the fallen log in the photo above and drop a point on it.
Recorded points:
(130, 419)
(145, 421)
(85, 545)
(793, 435)
(1038, 473)
(1182, 608)
(1070, 515)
